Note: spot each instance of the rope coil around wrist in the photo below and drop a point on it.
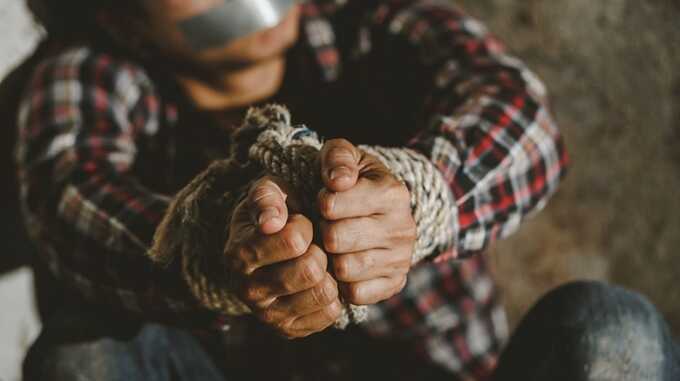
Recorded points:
(192, 229)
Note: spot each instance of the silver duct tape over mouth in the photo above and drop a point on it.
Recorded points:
(233, 19)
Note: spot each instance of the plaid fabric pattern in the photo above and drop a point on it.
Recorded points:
(94, 131)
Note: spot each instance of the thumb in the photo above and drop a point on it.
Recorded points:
(268, 207)
(339, 165)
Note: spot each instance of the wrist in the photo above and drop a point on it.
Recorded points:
(431, 201)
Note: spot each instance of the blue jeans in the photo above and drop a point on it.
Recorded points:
(591, 331)
(580, 331)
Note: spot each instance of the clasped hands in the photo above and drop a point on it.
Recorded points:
(365, 244)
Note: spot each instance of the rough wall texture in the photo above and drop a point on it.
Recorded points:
(613, 69)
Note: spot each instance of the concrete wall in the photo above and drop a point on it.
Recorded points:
(613, 68)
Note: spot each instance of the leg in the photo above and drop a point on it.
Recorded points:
(591, 331)
(93, 346)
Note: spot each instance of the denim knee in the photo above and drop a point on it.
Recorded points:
(150, 352)
(102, 359)
(608, 332)
(590, 331)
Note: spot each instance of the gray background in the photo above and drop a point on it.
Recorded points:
(613, 69)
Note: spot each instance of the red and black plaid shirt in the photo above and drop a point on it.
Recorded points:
(101, 153)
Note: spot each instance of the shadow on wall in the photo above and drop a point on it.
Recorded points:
(611, 68)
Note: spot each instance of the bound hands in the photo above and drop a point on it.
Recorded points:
(367, 227)
(367, 233)
(282, 275)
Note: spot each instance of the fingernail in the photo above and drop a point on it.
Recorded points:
(340, 172)
(267, 214)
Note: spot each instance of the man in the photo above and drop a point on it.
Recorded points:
(130, 100)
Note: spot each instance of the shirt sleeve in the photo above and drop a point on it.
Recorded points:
(79, 123)
(479, 115)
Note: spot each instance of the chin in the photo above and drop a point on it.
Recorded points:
(264, 79)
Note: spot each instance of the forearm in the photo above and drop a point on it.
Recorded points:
(91, 218)
(432, 204)
(454, 220)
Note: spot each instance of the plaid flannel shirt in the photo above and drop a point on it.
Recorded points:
(98, 140)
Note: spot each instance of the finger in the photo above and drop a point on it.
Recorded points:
(378, 194)
(371, 291)
(291, 242)
(371, 264)
(308, 301)
(268, 203)
(319, 320)
(355, 234)
(339, 164)
(290, 277)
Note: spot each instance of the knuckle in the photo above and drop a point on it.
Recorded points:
(365, 262)
(332, 312)
(292, 242)
(325, 293)
(327, 204)
(270, 315)
(300, 222)
(311, 272)
(319, 256)
(301, 225)
(343, 267)
(331, 238)
(355, 293)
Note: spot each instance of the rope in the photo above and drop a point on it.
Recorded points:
(268, 143)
